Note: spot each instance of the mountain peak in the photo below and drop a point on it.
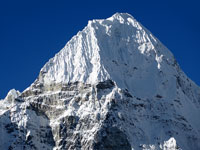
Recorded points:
(123, 15)
(117, 18)
(114, 48)
(120, 16)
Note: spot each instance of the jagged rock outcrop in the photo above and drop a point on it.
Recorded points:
(114, 86)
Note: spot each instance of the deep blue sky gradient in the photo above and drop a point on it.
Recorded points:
(33, 31)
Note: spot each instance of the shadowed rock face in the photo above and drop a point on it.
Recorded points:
(49, 124)
(89, 117)
(111, 138)
(105, 85)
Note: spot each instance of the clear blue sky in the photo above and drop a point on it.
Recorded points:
(33, 31)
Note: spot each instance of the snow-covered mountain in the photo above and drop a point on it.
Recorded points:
(114, 86)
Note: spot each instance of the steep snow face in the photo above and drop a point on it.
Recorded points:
(117, 48)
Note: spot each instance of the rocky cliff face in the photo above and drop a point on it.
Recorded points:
(114, 86)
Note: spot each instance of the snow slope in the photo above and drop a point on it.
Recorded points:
(118, 42)
(113, 86)
(118, 48)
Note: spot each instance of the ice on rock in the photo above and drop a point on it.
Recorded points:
(170, 144)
